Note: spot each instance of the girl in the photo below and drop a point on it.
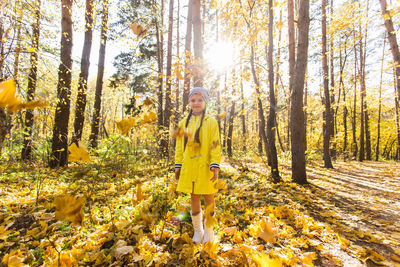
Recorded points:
(197, 158)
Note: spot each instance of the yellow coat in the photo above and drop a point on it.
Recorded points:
(195, 161)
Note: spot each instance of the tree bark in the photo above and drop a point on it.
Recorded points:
(353, 122)
(32, 78)
(361, 155)
(59, 154)
(292, 62)
(188, 45)
(177, 92)
(243, 117)
(160, 63)
(327, 124)
(393, 43)
(83, 75)
(272, 100)
(99, 82)
(230, 126)
(297, 119)
(197, 44)
(378, 136)
(397, 102)
(261, 118)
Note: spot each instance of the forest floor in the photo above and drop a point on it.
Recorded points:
(128, 213)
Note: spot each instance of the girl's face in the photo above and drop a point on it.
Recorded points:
(197, 103)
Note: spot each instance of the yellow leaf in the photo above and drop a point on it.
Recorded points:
(150, 117)
(138, 195)
(267, 231)
(395, 257)
(263, 260)
(220, 184)
(177, 133)
(69, 208)
(147, 102)
(7, 94)
(78, 154)
(257, 159)
(343, 241)
(137, 29)
(222, 115)
(210, 220)
(14, 259)
(124, 126)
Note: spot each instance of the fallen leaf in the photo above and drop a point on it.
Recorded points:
(78, 153)
(69, 208)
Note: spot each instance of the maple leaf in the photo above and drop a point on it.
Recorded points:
(267, 231)
(220, 184)
(177, 132)
(125, 125)
(7, 94)
(14, 259)
(222, 115)
(137, 29)
(138, 195)
(78, 153)
(69, 208)
(263, 260)
(147, 102)
(210, 220)
(149, 117)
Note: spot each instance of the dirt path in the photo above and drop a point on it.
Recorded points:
(363, 200)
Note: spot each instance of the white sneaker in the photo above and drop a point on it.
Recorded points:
(197, 222)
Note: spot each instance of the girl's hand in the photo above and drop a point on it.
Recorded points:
(215, 176)
(177, 173)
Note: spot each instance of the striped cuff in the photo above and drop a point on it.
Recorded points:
(214, 165)
(178, 166)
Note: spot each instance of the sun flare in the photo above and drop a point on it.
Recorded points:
(220, 56)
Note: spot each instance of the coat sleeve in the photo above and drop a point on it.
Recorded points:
(179, 152)
(215, 146)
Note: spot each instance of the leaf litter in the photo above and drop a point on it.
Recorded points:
(90, 215)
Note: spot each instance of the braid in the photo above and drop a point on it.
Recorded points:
(186, 125)
(197, 134)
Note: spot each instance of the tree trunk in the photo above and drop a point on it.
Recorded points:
(397, 102)
(160, 63)
(188, 45)
(292, 62)
(361, 155)
(378, 136)
(83, 75)
(353, 122)
(18, 47)
(272, 100)
(297, 119)
(177, 114)
(327, 124)
(168, 94)
(59, 154)
(32, 78)
(197, 44)
(393, 43)
(342, 64)
(230, 126)
(243, 117)
(99, 82)
(261, 117)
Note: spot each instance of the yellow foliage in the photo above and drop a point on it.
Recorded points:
(8, 98)
(222, 115)
(147, 102)
(125, 125)
(220, 184)
(263, 260)
(78, 153)
(138, 195)
(69, 208)
(14, 259)
(267, 231)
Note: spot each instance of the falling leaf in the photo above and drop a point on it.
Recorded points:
(137, 195)
(214, 144)
(210, 220)
(69, 208)
(147, 102)
(257, 159)
(137, 29)
(78, 154)
(7, 94)
(149, 117)
(222, 115)
(177, 132)
(220, 184)
(267, 231)
(125, 125)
